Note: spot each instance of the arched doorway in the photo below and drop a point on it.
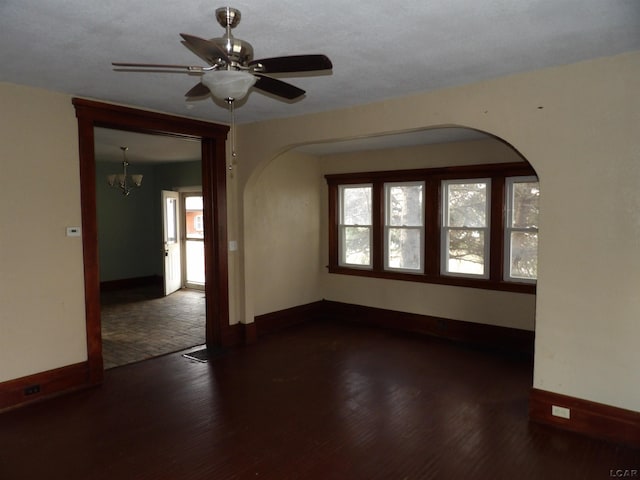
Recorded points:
(482, 302)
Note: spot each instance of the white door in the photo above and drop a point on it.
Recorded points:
(171, 239)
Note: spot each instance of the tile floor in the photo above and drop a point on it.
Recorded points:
(140, 323)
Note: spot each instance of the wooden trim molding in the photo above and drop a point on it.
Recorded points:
(145, 121)
(240, 334)
(92, 114)
(272, 322)
(460, 171)
(124, 283)
(589, 418)
(511, 340)
(505, 339)
(432, 178)
(33, 388)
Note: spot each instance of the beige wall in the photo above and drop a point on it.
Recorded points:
(578, 125)
(42, 323)
(473, 152)
(285, 207)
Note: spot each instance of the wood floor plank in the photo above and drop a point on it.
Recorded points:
(315, 401)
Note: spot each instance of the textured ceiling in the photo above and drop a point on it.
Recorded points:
(380, 49)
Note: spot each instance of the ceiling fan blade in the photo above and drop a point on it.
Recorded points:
(205, 49)
(292, 63)
(161, 66)
(199, 90)
(278, 87)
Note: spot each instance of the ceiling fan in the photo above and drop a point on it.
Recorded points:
(231, 69)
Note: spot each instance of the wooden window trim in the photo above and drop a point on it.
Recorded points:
(433, 178)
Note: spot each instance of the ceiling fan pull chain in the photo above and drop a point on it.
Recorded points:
(232, 163)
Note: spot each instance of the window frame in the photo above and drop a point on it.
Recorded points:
(421, 229)
(432, 179)
(446, 229)
(508, 229)
(342, 226)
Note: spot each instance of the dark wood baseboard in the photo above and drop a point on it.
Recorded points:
(124, 283)
(272, 322)
(505, 339)
(33, 388)
(586, 417)
(239, 334)
(486, 336)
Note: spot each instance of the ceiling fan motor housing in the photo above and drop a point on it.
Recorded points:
(239, 51)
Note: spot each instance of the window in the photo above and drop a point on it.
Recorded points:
(521, 230)
(404, 226)
(472, 226)
(193, 246)
(465, 227)
(355, 225)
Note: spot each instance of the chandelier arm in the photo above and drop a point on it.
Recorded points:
(125, 187)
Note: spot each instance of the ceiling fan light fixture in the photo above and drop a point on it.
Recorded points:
(228, 84)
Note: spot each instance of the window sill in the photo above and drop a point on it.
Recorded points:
(438, 279)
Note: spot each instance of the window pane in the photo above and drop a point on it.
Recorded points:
(467, 204)
(171, 224)
(524, 255)
(356, 205)
(195, 261)
(194, 219)
(526, 196)
(193, 202)
(356, 246)
(521, 233)
(405, 205)
(404, 248)
(465, 250)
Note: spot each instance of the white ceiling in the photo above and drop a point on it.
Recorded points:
(379, 49)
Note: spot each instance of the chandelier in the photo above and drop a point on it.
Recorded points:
(122, 180)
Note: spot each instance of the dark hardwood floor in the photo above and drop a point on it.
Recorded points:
(315, 401)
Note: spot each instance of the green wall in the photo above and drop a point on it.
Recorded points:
(130, 227)
(182, 174)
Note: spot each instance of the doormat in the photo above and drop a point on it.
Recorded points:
(204, 354)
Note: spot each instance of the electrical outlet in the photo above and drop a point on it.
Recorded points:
(562, 412)
(32, 389)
